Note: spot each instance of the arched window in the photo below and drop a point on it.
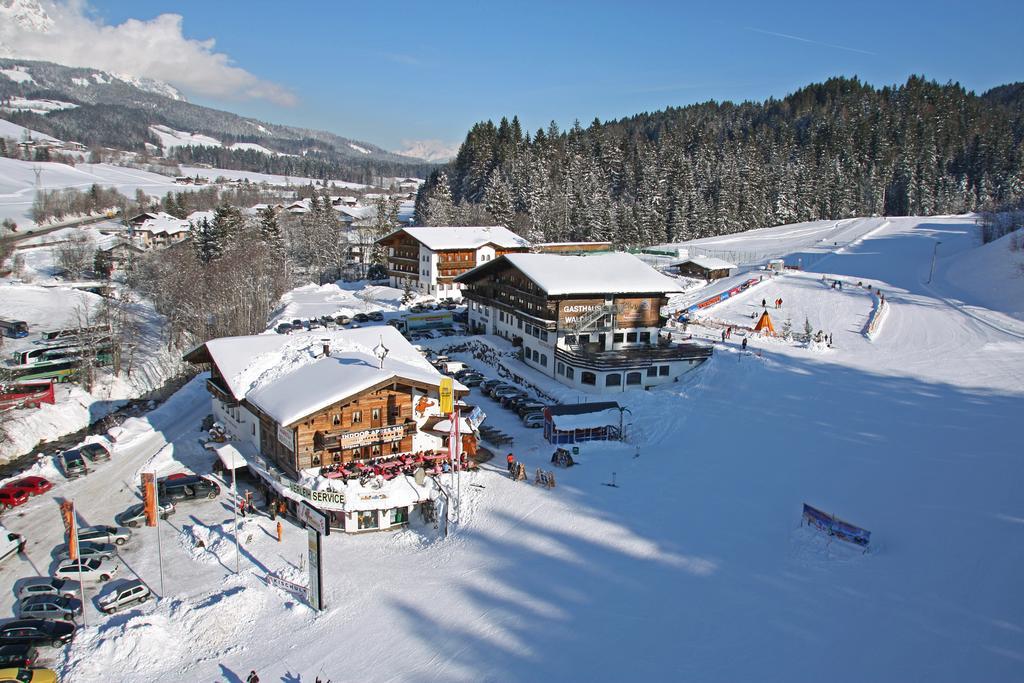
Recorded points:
(634, 378)
(613, 380)
(588, 378)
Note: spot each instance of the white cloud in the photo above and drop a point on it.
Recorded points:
(156, 49)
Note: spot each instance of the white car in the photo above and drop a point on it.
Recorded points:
(91, 570)
(128, 594)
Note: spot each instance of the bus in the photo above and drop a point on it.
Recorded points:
(37, 354)
(57, 370)
(14, 328)
(75, 332)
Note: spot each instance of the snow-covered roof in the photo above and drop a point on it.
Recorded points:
(164, 223)
(288, 377)
(603, 418)
(709, 263)
(617, 273)
(439, 239)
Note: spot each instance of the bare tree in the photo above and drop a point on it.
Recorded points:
(76, 254)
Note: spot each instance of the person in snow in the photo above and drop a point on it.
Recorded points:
(764, 303)
(723, 336)
(241, 507)
(744, 343)
(252, 677)
(511, 460)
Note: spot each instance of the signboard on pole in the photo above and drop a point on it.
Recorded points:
(447, 393)
(67, 513)
(149, 497)
(314, 519)
(294, 588)
(316, 574)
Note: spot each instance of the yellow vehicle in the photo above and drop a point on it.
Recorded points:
(27, 676)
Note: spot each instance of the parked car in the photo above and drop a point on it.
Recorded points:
(33, 486)
(10, 543)
(489, 384)
(313, 323)
(74, 464)
(361, 318)
(103, 533)
(283, 328)
(22, 656)
(508, 400)
(126, 595)
(27, 675)
(48, 607)
(96, 452)
(135, 515)
(36, 632)
(297, 324)
(533, 420)
(88, 549)
(506, 390)
(11, 497)
(47, 585)
(343, 320)
(326, 320)
(377, 316)
(92, 569)
(531, 406)
(188, 488)
(472, 380)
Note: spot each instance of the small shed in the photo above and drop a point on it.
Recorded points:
(705, 267)
(580, 422)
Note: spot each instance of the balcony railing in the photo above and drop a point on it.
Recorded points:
(632, 358)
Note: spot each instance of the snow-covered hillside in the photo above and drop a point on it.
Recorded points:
(695, 567)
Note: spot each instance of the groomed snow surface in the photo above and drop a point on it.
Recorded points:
(695, 567)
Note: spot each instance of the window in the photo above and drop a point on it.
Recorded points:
(396, 446)
(645, 337)
(663, 370)
(536, 356)
(584, 339)
(375, 414)
(367, 519)
(617, 338)
(357, 416)
(569, 372)
(588, 378)
(613, 380)
(520, 321)
(337, 419)
(544, 359)
(631, 337)
(652, 371)
(560, 368)
(375, 450)
(400, 515)
(634, 378)
(544, 335)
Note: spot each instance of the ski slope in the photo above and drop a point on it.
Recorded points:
(695, 567)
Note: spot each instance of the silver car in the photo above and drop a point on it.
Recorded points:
(87, 549)
(47, 585)
(126, 595)
(105, 534)
(48, 607)
(136, 515)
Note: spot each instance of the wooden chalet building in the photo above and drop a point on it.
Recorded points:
(704, 267)
(299, 403)
(591, 322)
(429, 259)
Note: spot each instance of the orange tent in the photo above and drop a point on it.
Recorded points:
(765, 324)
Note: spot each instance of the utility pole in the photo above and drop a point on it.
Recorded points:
(935, 252)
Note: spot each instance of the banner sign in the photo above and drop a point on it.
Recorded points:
(67, 513)
(475, 417)
(371, 436)
(326, 498)
(316, 574)
(286, 437)
(149, 497)
(571, 310)
(447, 394)
(313, 517)
(834, 526)
(637, 312)
(277, 582)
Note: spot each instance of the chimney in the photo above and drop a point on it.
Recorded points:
(327, 346)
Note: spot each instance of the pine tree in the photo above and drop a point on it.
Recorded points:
(499, 201)
(206, 241)
(270, 231)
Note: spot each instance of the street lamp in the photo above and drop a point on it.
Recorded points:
(931, 270)
(622, 411)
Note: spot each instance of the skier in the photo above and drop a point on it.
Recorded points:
(252, 677)
(723, 336)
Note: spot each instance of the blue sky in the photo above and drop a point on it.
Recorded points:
(385, 72)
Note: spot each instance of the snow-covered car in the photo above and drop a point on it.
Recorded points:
(135, 515)
(47, 585)
(498, 392)
(126, 595)
(48, 607)
(103, 551)
(103, 533)
(533, 420)
(74, 464)
(472, 380)
(87, 570)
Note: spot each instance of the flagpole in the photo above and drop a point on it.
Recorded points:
(159, 545)
(234, 496)
(78, 554)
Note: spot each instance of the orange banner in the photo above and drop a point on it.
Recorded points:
(149, 497)
(67, 513)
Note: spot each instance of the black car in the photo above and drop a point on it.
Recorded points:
(472, 380)
(188, 488)
(36, 632)
(95, 452)
(377, 316)
(19, 656)
(361, 318)
(530, 407)
(283, 328)
(508, 401)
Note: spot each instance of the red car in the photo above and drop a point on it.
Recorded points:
(33, 486)
(11, 497)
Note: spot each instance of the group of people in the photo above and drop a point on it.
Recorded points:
(390, 467)
(778, 303)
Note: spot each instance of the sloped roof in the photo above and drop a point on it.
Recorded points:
(708, 263)
(560, 274)
(440, 239)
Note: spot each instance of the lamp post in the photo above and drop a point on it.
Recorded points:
(622, 411)
(931, 270)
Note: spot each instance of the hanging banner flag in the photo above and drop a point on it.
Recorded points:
(453, 438)
(149, 497)
(834, 526)
(67, 513)
(447, 392)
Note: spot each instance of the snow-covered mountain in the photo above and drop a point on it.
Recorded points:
(24, 15)
(430, 150)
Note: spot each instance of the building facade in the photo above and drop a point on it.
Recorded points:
(590, 322)
(428, 260)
